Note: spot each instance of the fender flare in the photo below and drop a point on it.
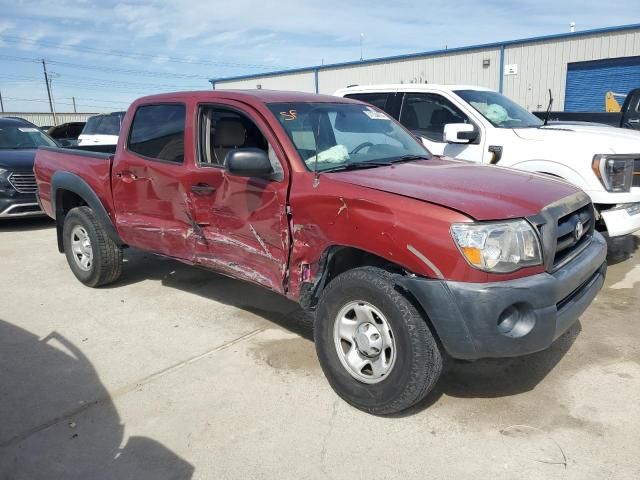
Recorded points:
(73, 183)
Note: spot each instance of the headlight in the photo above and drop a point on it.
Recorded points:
(498, 247)
(615, 172)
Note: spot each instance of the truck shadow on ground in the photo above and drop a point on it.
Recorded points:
(500, 377)
(58, 421)
(481, 379)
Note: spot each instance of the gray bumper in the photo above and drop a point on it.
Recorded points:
(514, 317)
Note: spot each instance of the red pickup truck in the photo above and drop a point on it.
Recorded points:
(402, 255)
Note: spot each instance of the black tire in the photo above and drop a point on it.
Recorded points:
(106, 265)
(418, 361)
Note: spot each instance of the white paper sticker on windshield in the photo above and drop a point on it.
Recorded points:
(374, 114)
(27, 129)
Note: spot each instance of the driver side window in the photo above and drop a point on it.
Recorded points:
(427, 113)
(223, 130)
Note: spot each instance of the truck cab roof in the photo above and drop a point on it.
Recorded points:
(407, 87)
(248, 96)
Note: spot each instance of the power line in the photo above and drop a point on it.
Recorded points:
(123, 54)
(109, 69)
(44, 100)
(103, 82)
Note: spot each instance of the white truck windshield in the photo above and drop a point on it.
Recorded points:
(499, 110)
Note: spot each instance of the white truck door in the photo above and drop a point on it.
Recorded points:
(426, 114)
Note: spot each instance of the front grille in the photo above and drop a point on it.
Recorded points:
(569, 239)
(23, 182)
(636, 173)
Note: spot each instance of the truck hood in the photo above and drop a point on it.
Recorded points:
(597, 138)
(17, 159)
(482, 192)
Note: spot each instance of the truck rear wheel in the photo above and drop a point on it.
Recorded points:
(374, 347)
(93, 257)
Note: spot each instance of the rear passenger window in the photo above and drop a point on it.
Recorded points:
(376, 99)
(157, 132)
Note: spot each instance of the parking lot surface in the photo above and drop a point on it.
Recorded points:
(176, 373)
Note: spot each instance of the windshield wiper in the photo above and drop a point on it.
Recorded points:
(358, 166)
(409, 158)
(375, 163)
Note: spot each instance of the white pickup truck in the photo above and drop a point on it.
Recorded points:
(481, 125)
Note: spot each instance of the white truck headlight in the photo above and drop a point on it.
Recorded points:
(498, 247)
(615, 172)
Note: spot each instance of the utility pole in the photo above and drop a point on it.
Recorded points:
(361, 38)
(1, 104)
(53, 101)
(46, 81)
(74, 104)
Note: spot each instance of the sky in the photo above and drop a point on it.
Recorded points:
(107, 53)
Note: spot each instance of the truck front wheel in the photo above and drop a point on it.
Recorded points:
(374, 347)
(93, 257)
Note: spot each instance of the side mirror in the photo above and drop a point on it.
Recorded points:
(459, 133)
(63, 142)
(248, 162)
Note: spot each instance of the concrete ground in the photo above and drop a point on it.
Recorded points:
(178, 373)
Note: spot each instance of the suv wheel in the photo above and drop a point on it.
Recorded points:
(374, 347)
(93, 257)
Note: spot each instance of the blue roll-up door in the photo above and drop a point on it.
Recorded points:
(589, 82)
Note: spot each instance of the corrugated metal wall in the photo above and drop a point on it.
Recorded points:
(464, 67)
(543, 65)
(302, 82)
(43, 119)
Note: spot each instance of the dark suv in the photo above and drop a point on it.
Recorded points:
(19, 141)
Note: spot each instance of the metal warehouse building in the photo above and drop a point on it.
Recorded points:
(578, 67)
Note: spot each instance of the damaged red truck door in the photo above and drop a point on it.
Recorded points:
(402, 256)
(175, 197)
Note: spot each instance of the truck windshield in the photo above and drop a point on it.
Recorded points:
(14, 138)
(344, 135)
(499, 110)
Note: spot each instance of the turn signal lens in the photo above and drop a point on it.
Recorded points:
(473, 255)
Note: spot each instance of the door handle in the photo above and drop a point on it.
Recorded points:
(127, 176)
(634, 120)
(202, 189)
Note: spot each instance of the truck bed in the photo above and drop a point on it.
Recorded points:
(92, 166)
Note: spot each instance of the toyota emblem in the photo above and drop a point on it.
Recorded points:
(579, 230)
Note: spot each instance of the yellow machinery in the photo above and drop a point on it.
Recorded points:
(610, 102)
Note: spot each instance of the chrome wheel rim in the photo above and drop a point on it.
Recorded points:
(81, 248)
(364, 342)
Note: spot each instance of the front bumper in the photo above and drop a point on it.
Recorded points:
(16, 204)
(622, 219)
(514, 317)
